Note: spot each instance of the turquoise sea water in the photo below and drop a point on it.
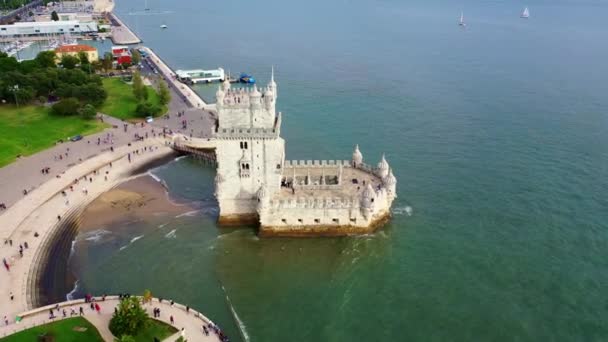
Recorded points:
(496, 133)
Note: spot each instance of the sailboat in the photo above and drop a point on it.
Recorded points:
(163, 26)
(526, 13)
(146, 8)
(461, 21)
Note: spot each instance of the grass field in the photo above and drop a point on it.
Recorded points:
(62, 331)
(121, 102)
(156, 329)
(26, 130)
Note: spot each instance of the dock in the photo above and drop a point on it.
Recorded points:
(121, 34)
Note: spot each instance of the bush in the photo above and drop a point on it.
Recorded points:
(129, 319)
(67, 106)
(146, 109)
(88, 111)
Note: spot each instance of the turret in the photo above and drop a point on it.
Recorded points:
(226, 84)
(272, 85)
(390, 182)
(255, 97)
(219, 96)
(383, 167)
(357, 157)
(367, 201)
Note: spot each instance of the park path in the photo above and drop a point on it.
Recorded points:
(191, 321)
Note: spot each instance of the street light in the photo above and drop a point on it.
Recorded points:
(15, 89)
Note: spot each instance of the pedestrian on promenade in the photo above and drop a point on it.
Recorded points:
(26, 245)
(64, 313)
(97, 308)
(171, 319)
(187, 309)
(5, 320)
(12, 296)
(81, 311)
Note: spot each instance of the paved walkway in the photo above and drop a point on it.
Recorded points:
(191, 321)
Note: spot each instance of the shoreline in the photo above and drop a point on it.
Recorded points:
(52, 210)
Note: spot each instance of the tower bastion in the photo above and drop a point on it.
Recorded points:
(255, 184)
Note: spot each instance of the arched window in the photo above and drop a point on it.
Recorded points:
(245, 143)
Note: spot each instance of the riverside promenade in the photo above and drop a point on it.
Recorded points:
(190, 320)
(35, 218)
(187, 94)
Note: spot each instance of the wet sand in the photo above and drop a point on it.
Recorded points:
(139, 199)
(142, 198)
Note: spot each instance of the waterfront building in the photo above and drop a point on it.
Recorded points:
(36, 29)
(256, 184)
(82, 17)
(121, 54)
(74, 50)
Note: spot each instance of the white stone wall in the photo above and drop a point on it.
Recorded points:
(237, 187)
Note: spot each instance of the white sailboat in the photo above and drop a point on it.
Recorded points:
(461, 21)
(163, 26)
(526, 13)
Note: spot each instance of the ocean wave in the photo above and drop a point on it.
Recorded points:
(136, 238)
(171, 234)
(123, 247)
(156, 178)
(407, 210)
(188, 213)
(94, 236)
(70, 295)
(72, 249)
(240, 324)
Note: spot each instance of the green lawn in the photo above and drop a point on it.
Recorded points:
(156, 329)
(26, 130)
(121, 102)
(62, 331)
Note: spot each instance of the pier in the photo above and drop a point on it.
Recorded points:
(121, 34)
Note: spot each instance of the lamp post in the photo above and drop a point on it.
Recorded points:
(15, 89)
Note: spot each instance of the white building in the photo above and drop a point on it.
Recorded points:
(255, 184)
(32, 29)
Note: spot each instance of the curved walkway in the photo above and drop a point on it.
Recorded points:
(190, 320)
(33, 219)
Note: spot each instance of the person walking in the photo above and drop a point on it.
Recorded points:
(171, 319)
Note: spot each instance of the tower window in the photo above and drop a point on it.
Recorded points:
(243, 145)
(278, 166)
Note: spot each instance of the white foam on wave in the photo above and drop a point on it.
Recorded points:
(72, 249)
(123, 247)
(156, 178)
(240, 324)
(95, 235)
(171, 234)
(136, 238)
(188, 213)
(407, 210)
(70, 295)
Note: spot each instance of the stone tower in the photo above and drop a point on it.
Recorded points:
(249, 150)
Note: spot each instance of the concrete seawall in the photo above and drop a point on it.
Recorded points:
(52, 210)
(121, 33)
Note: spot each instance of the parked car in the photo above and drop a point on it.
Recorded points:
(76, 137)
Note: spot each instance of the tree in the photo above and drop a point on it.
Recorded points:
(69, 62)
(163, 93)
(135, 56)
(46, 59)
(125, 338)
(54, 16)
(107, 60)
(139, 90)
(66, 107)
(129, 318)
(147, 296)
(144, 109)
(83, 57)
(88, 111)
